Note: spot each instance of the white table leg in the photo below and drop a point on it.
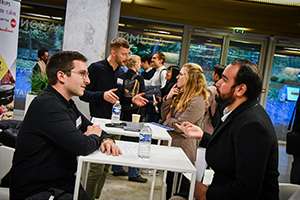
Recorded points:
(174, 183)
(152, 185)
(158, 142)
(77, 181)
(169, 143)
(192, 186)
(85, 167)
(179, 183)
(163, 185)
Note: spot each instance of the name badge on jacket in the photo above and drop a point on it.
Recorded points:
(78, 122)
(119, 81)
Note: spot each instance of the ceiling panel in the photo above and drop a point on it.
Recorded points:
(220, 14)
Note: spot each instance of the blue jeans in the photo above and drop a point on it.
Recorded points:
(132, 172)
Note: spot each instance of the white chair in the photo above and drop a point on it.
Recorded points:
(286, 190)
(6, 155)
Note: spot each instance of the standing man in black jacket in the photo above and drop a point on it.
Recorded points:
(105, 89)
(54, 133)
(148, 70)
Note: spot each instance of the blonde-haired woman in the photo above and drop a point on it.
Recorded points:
(186, 101)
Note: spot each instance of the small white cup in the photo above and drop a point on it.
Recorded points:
(136, 118)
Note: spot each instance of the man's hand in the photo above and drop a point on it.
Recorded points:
(191, 130)
(110, 147)
(110, 96)
(94, 129)
(200, 191)
(139, 100)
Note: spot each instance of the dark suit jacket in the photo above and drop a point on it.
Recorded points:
(243, 152)
(148, 75)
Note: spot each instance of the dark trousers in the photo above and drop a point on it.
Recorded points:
(59, 195)
(184, 187)
(152, 117)
(295, 171)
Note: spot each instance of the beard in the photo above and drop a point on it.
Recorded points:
(225, 99)
(119, 61)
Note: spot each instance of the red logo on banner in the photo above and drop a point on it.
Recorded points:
(13, 23)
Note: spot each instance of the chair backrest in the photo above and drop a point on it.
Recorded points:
(6, 156)
(286, 190)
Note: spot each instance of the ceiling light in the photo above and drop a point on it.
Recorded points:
(157, 31)
(25, 6)
(43, 16)
(280, 2)
(37, 15)
(126, 1)
(292, 49)
(164, 32)
(121, 24)
(57, 18)
(280, 55)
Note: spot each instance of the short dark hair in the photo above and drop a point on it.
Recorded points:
(219, 69)
(248, 74)
(161, 56)
(62, 61)
(41, 52)
(145, 58)
(118, 42)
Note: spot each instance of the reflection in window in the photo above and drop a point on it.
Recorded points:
(205, 51)
(147, 37)
(243, 50)
(283, 88)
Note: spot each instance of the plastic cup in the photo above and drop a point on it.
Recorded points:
(136, 118)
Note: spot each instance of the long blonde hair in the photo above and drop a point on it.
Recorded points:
(195, 86)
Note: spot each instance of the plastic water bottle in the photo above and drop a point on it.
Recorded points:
(116, 112)
(145, 142)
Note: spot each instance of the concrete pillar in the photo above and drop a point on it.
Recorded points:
(87, 25)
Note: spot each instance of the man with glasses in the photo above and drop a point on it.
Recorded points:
(54, 133)
(105, 89)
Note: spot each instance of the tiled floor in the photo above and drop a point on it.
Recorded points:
(119, 188)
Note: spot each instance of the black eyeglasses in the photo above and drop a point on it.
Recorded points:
(83, 74)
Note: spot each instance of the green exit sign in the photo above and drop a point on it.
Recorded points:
(239, 31)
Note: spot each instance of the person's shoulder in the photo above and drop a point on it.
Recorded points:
(99, 64)
(120, 72)
(47, 96)
(212, 88)
(139, 77)
(198, 100)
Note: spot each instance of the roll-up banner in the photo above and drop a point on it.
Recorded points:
(9, 29)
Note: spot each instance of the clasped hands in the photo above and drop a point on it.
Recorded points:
(108, 145)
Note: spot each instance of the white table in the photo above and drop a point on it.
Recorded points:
(161, 157)
(158, 133)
